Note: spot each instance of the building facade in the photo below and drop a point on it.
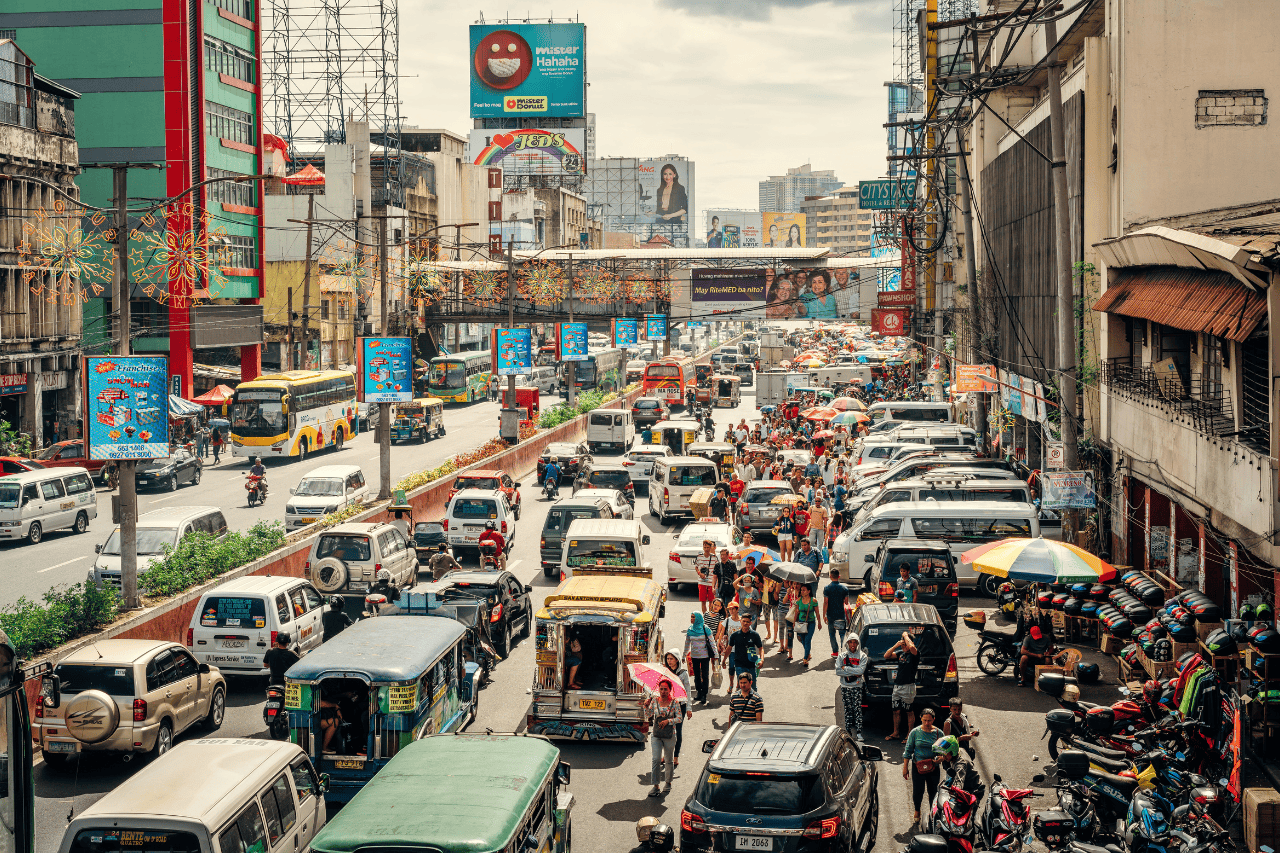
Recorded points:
(784, 193)
(838, 223)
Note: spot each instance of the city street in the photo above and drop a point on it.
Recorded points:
(610, 781)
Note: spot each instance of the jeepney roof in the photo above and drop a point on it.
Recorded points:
(456, 793)
(618, 593)
(384, 650)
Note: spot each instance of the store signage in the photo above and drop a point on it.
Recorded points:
(126, 405)
(888, 321)
(386, 370)
(891, 194)
(571, 341)
(52, 380)
(1070, 490)
(14, 383)
(908, 265)
(895, 298)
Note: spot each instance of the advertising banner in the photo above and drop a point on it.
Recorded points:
(626, 333)
(733, 229)
(908, 265)
(531, 151)
(888, 321)
(571, 341)
(14, 383)
(716, 291)
(655, 327)
(809, 294)
(1069, 490)
(666, 192)
(528, 69)
(975, 377)
(890, 194)
(386, 370)
(126, 406)
(895, 298)
(512, 351)
(783, 230)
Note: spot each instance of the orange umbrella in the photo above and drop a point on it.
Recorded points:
(843, 404)
(819, 413)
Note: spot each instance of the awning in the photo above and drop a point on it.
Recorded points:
(180, 408)
(215, 397)
(1191, 300)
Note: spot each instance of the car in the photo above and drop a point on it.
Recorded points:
(346, 558)
(70, 454)
(429, 539)
(798, 458)
(639, 460)
(743, 371)
(649, 410)
(326, 489)
(786, 788)
(930, 563)
(509, 602)
(606, 475)
(688, 546)
(569, 456)
(470, 510)
(756, 510)
(616, 500)
(491, 479)
(126, 697)
(17, 464)
(181, 466)
(879, 626)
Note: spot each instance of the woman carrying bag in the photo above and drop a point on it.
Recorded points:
(807, 620)
(918, 762)
(672, 661)
(663, 713)
(700, 650)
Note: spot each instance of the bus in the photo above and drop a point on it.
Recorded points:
(669, 378)
(293, 413)
(605, 370)
(461, 378)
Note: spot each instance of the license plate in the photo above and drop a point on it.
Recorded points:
(753, 842)
(348, 764)
(234, 644)
(60, 746)
(928, 590)
(593, 705)
(271, 706)
(359, 586)
(307, 520)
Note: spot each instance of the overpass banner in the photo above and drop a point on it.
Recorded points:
(719, 291)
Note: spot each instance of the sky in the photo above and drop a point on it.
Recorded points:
(744, 88)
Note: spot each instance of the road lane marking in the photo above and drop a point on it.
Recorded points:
(512, 565)
(60, 565)
(169, 498)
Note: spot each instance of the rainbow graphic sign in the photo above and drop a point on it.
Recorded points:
(531, 151)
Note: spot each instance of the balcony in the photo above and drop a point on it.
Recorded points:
(1204, 406)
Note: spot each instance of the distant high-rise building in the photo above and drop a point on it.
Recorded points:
(783, 193)
(836, 222)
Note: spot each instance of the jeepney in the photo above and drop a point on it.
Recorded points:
(676, 434)
(727, 389)
(420, 419)
(720, 452)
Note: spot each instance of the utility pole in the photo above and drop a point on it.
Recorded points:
(971, 274)
(306, 286)
(384, 409)
(288, 361)
(120, 292)
(571, 367)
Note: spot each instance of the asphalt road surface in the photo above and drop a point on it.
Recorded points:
(610, 781)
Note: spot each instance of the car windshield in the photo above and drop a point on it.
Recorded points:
(320, 486)
(9, 494)
(447, 376)
(115, 839)
(475, 508)
(233, 611)
(646, 404)
(612, 553)
(51, 452)
(696, 538)
(929, 639)
(560, 519)
(428, 528)
(561, 450)
(692, 475)
(761, 495)
(924, 564)
(755, 794)
(346, 548)
(487, 483)
(258, 413)
(112, 679)
(609, 479)
(151, 540)
(467, 590)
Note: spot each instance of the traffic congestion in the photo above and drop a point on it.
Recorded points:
(771, 560)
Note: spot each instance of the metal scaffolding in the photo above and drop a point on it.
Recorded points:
(621, 202)
(906, 34)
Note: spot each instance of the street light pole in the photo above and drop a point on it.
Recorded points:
(120, 293)
(384, 409)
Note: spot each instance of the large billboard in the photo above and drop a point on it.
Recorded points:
(740, 291)
(386, 366)
(530, 151)
(732, 229)
(528, 70)
(126, 406)
(652, 199)
(783, 230)
(512, 351)
(808, 294)
(666, 192)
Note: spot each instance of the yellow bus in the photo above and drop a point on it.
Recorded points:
(293, 413)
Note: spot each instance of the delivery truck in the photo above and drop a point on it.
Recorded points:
(771, 357)
(774, 387)
(826, 377)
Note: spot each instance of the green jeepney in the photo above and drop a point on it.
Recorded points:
(420, 419)
(460, 793)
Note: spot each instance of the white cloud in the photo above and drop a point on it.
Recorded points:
(745, 88)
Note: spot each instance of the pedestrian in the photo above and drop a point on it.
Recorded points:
(785, 531)
(769, 606)
(918, 762)
(217, 444)
(746, 703)
(749, 599)
(705, 566)
(202, 441)
(957, 724)
(718, 506)
(786, 617)
(808, 619)
(743, 660)
(800, 515)
(818, 522)
(810, 559)
(699, 649)
(902, 699)
(835, 596)
(663, 712)
(672, 660)
(906, 584)
(726, 571)
(851, 666)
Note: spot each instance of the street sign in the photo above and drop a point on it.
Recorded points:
(895, 298)
(1053, 457)
(890, 194)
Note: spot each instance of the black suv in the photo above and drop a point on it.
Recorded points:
(786, 788)
(606, 475)
(931, 564)
(508, 602)
(879, 626)
(554, 527)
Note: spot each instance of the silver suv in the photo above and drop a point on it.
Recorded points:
(345, 558)
(756, 509)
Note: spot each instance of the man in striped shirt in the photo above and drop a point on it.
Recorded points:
(705, 566)
(746, 704)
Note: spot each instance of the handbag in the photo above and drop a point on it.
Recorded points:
(802, 627)
(664, 729)
(792, 613)
(717, 676)
(925, 766)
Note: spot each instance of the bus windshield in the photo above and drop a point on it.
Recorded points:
(447, 375)
(258, 413)
(663, 370)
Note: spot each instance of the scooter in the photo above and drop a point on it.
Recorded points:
(256, 485)
(274, 715)
(954, 816)
(551, 488)
(1006, 820)
(998, 650)
(488, 557)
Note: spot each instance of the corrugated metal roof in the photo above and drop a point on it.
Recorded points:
(1192, 300)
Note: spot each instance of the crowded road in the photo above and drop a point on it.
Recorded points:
(610, 781)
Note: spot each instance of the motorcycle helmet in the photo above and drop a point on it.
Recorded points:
(1202, 799)
(1044, 599)
(1072, 605)
(1080, 590)
(1059, 599)
(1100, 721)
(1059, 587)
(335, 602)
(1157, 631)
(947, 747)
(1246, 612)
(490, 525)
(1070, 693)
(1086, 673)
(1163, 650)
(644, 826)
(1152, 690)
(384, 575)
(1184, 660)
(1220, 643)
(661, 838)
(1089, 609)
(1268, 642)
(1181, 633)
(1099, 592)
(1121, 628)
(927, 843)
(1264, 611)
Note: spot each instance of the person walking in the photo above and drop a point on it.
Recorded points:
(662, 712)
(699, 648)
(742, 658)
(746, 703)
(705, 566)
(957, 724)
(851, 666)
(902, 699)
(811, 559)
(785, 530)
(672, 660)
(725, 572)
(202, 441)
(808, 619)
(749, 598)
(718, 506)
(786, 618)
(714, 620)
(834, 597)
(818, 519)
(217, 443)
(918, 762)
(769, 606)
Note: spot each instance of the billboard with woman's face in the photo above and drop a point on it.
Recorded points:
(784, 230)
(806, 294)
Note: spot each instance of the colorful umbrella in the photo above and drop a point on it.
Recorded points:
(823, 433)
(1039, 560)
(826, 395)
(648, 675)
(762, 555)
(844, 404)
(819, 413)
(849, 418)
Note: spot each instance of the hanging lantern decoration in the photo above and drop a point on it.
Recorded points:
(425, 281)
(597, 285)
(543, 283)
(176, 256)
(63, 260)
(640, 288)
(352, 271)
(1004, 419)
(485, 287)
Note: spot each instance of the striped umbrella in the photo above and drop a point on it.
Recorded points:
(1039, 560)
(851, 418)
(762, 555)
(847, 404)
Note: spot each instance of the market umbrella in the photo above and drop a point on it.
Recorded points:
(826, 395)
(819, 413)
(823, 433)
(764, 410)
(1039, 560)
(787, 500)
(308, 176)
(849, 418)
(792, 573)
(648, 675)
(762, 555)
(844, 404)
(219, 395)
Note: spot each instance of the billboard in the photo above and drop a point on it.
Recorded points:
(889, 321)
(626, 333)
(655, 327)
(886, 194)
(531, 151)
(809, 294)
(666, 191)
(1068, 490)
(740, 291)
(126, 406)
(571, 341)
(732, 229)
(783, 230)
(386, 370)
(975, 377)
(512, 352)
(528, 69)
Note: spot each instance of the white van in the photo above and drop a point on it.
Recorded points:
(206, 795)
(327, 489)
(840, 374)
(156, 529)
(468, 512)
(961, 524)
(605, 546)
(890, 415)
(610, 430)
(673, 482)
(543, 378)
(35, 502)
(236, 622)
(942, 485)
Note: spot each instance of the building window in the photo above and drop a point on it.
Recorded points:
(225, 58)
(241, 8)
(227, 123)
(229, 192)
(1212, 362)
(241, 252)
(324, 309)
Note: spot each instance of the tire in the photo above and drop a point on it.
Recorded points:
(338, 440)
(1058, 744)
(527, 628)
(217, 710)
(870, 829)
(987, 585)
(195, 478)
(866, 581)
(57, 761)
(302, 450)
(82, 523)
(279, 728)
(164, 740)
(991, 661)
(329, 575)
(548, 571)
(516, 511)
(35, 533)
(504, 645)
(251, 500)
(173, 482)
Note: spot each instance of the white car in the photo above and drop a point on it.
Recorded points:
(639, 461)
(617, 502)
(468, 512)
(689, 545)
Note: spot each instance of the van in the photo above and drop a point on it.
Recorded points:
(934, 435)
(605, 546)
(674, 480)
(886, 415)
(206, 795)
(33, 502)
(158, 529)
(236, 622)
(327, 489)
(468, 512)
(562, 514)
(544, 379)
(943, 485)
(961, 524)
(610, 430)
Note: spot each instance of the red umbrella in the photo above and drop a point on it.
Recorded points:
(824, 433)
(219, 395)
(819, 413)
(308, 176)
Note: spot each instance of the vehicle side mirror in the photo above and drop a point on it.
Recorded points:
(51, 691)
(517, 485)
(871, 753)
(293, 491)
(204, 669)
(868, 558)
(528, 587)
(97, 549)
(564, 770)
(323, 786)
(1181, 813)
(645, 539)
(709, 746)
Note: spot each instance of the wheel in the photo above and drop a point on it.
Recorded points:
(866, 839)
(548, 571)
(82, 523)
(1057, 744)
(991, 661)
(251, 500)
(217, 710)
(338, 439)
(35, 533)
(866, 581)
(195, 477)
(987, 585)
(527, 627)
(173, 482)
(504, 645)
(302, 450)
(164, 740)
(279, 728)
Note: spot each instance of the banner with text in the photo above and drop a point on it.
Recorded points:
(531, 151)
(512, 352)
(626, 333)
(895, 298)
(975, 377)
(571, 341)
(126, 406)
(528, 69)
(717, 291)
(1068, 490)
(386, 370)
(889, 321)
(655, 327)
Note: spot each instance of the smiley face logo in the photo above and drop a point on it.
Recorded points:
(503, 60)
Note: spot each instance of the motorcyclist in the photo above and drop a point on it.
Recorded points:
(279, 658)
(441, 564)
(551, 474)
(491, 534)
(708, 422)
(260, 471)
(385, 586)
(333, 621)
(958, 769)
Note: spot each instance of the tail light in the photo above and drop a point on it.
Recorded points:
(690, 822)
(504, 526)
(542, 542)
(139, 710)
(666, 495)
(191, 638)
(953, 590)
(562, 577)
(627, 463)
(273, 639)
(885, 590)
(674, 557)
(951, 675)
(495, 614)
(745, 508)
(823, 828)
(377, 567)
(39, 708)
(306, 567)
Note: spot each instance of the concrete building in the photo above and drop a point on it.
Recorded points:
(40, 325)
(836, 222)
(784, 193)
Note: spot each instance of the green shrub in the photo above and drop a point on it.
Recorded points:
(200, 557)
(67, 613)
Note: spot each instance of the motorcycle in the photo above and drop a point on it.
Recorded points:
(256, 485)
(274, 715)
(998, 650)
(709, 431)
(953, 816)
(1006, 821)
(551, 488)
(488, 557)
